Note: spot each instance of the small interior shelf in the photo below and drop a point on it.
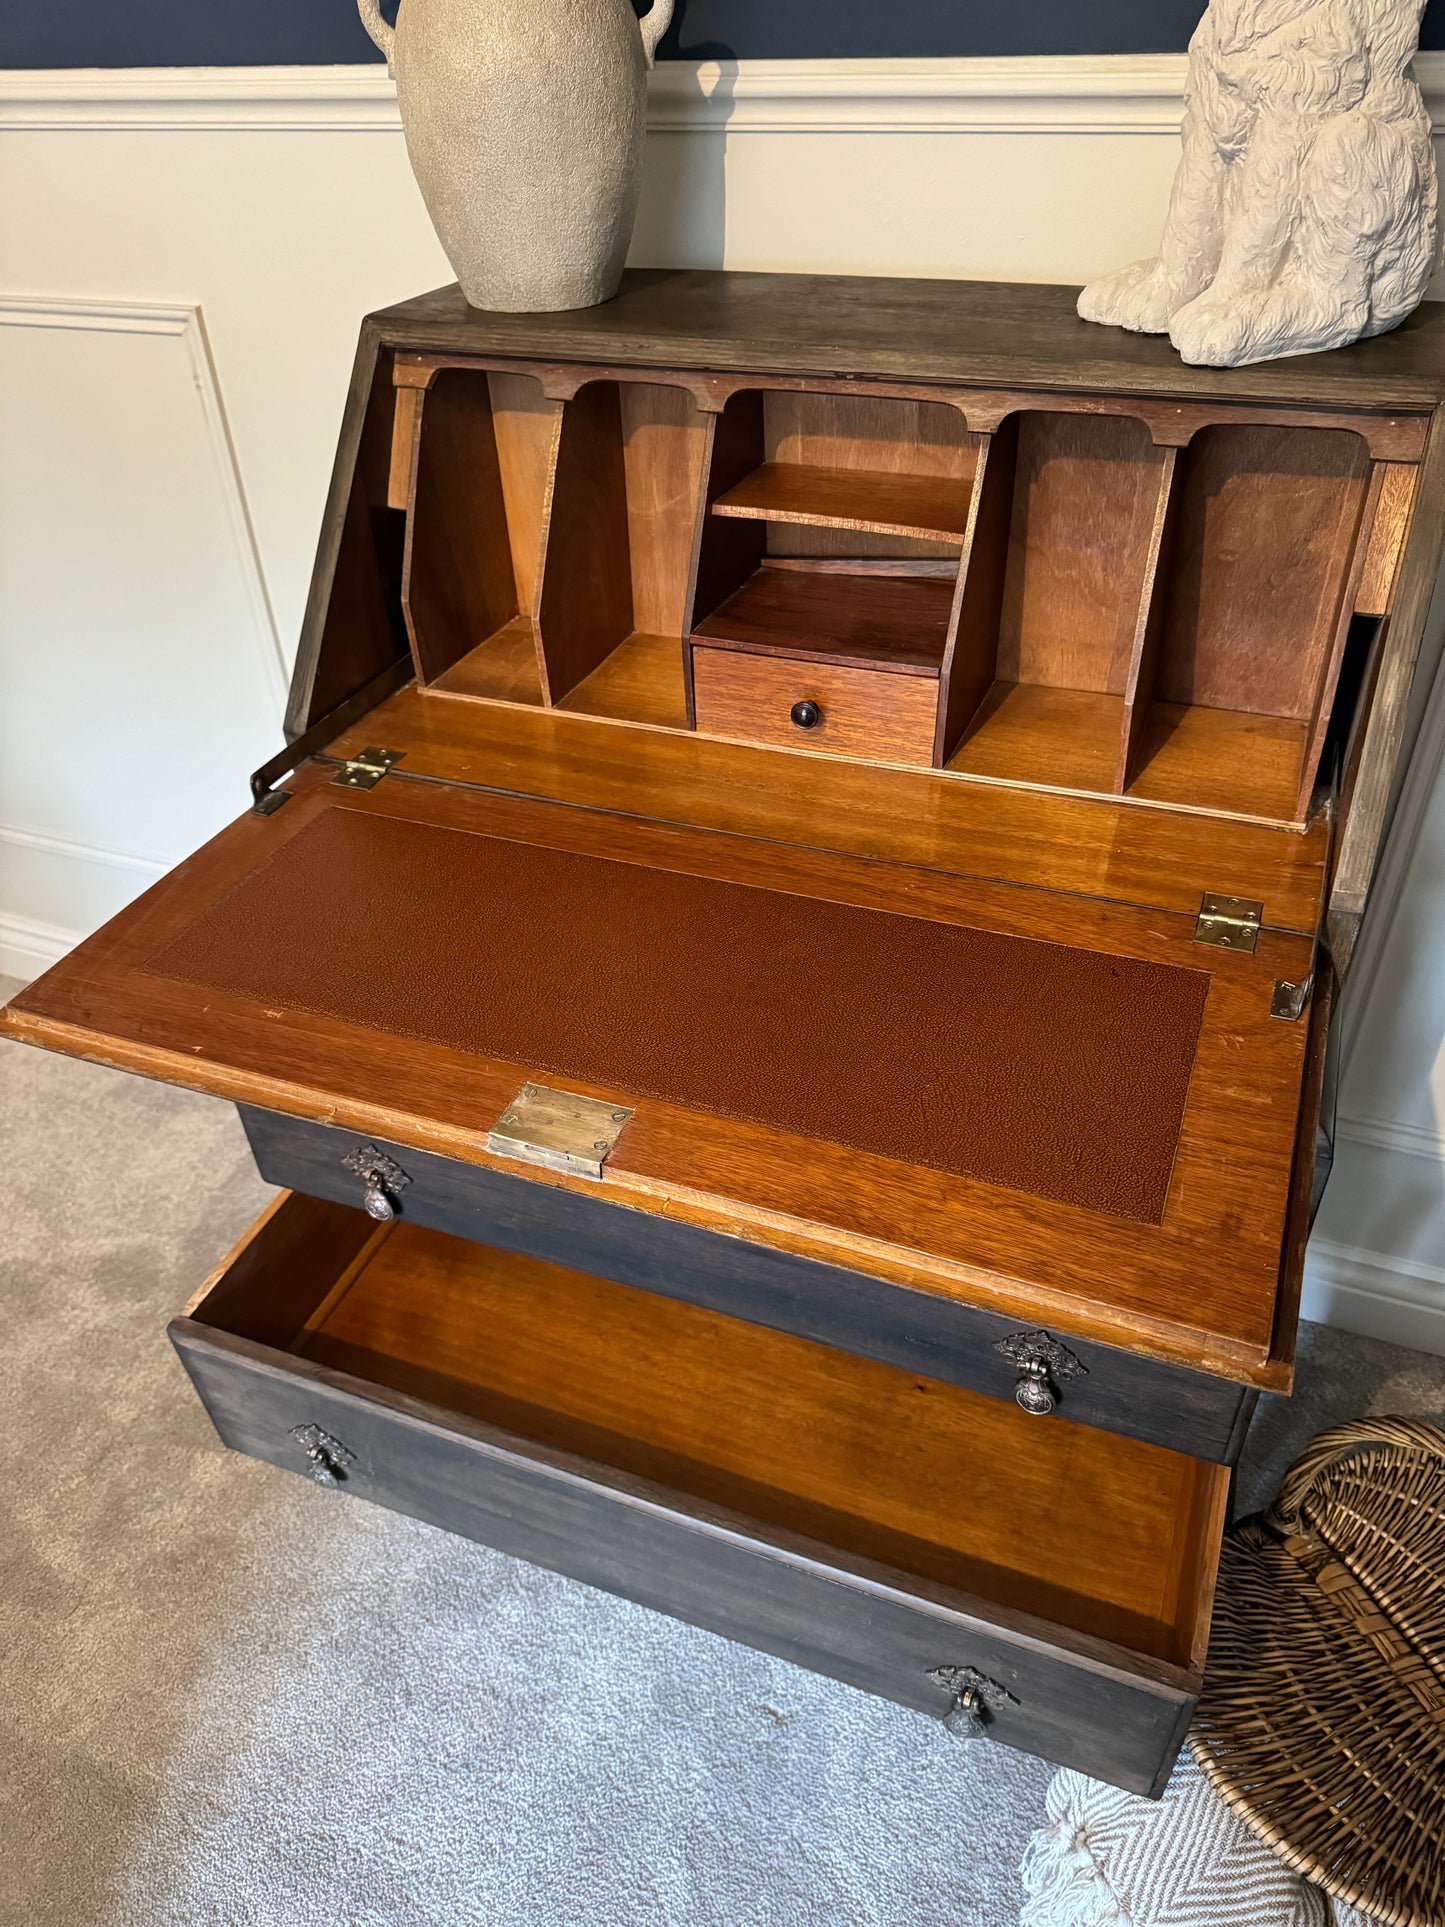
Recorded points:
(1030, 732)
(640, 682)
(501, 669)
(925, 507)
(1220, 759)
(894, 623)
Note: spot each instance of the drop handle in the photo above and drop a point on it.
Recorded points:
(976, 1700)
(806, 715)
(1043, 1364)
(326, 1457)
(382, 1178)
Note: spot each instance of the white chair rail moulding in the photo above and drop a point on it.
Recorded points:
(278, 203)
(1036, 94)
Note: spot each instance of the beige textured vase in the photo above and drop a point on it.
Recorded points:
(525, 127)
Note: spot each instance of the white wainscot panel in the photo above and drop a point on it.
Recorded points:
(140, 674)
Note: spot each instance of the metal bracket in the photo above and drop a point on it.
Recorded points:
(265, 800)
(1043, 1365)
(365, 771)
(1228, 923)
(976, 1699)
(558, 1129)
(1290, 1000)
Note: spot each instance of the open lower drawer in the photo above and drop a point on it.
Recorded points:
(1047, 1586)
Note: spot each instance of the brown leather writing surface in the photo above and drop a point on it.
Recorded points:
(1035, 1066)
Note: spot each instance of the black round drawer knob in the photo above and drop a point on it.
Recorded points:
(806, 715)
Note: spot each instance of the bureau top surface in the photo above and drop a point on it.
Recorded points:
(863, 327)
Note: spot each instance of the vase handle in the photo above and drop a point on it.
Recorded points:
(383, 35)
(654, 25)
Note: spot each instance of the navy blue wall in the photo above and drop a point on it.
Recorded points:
(183, 33)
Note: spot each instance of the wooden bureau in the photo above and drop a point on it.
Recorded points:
(786, 971)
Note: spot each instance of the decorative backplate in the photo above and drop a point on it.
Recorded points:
(383, 1177)
(369, 1163)
(329, 1457)
(1043, 1365)
(1038, 1348)
(976, 1699)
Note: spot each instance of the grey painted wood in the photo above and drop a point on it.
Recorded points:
(1080, 1702)
(1123, 1392)
(979, 333)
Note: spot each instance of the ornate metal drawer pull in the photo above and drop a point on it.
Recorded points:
(976, 1699)
(328, 1456)
(383, 1177)
(1043, 1365)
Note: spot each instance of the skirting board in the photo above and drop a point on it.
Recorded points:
(28, 949)
(1376, 1296)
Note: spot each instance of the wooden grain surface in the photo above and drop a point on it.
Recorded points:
(860, 500)
(899, 623)
(863, 712)
(1387, 538)
(804, 1437)
(1003, 333)
(1144, 856)
(906, 439)
(459, 585)
(525, 424)
(1153, 1285)
(640, 682)
(503, 669)
(1032, 733)
(665, 442)
(1079, 543)
(584, 603)
(1267, 522)
(1220, 759)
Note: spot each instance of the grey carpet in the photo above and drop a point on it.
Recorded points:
(229, 1699)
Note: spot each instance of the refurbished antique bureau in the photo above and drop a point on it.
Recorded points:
(786, 970)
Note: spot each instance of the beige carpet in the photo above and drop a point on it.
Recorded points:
(230, 1699)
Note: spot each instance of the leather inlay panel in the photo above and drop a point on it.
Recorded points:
(1034, 1066)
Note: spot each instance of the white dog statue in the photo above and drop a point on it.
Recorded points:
(1304, 210)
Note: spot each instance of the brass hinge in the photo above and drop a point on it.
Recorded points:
(1229, 923)
(558, 1129)
(365, 771)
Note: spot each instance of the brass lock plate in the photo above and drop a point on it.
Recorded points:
(559, 1130)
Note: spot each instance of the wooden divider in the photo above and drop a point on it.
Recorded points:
(482, 448)
(1251, 610)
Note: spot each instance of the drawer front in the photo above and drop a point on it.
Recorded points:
(860, 712)
(1064, 1701)
(1116, 1391)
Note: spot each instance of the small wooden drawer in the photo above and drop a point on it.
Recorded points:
(941, 1336)
(873, 713)
(903, 1536)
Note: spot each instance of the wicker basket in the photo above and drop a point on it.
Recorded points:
(1323, 1717)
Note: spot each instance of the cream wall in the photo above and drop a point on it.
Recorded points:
(184, 257)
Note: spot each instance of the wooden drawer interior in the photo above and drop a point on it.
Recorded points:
(1101, 1536)
(1085, 597)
